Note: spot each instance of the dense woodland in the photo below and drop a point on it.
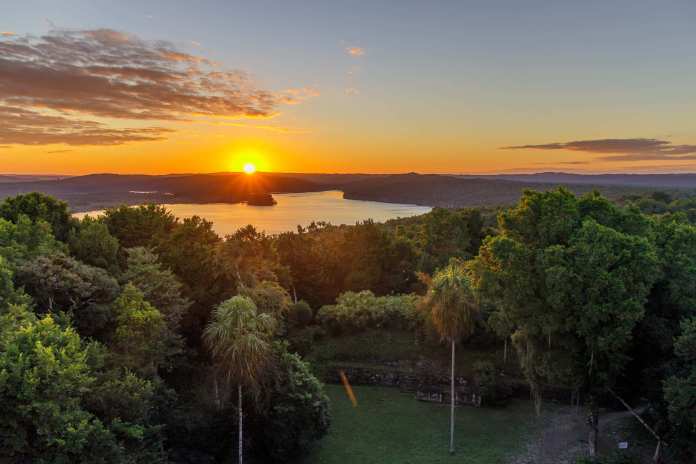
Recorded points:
(135, 337)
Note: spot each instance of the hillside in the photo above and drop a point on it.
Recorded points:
(451, 191)
(97, 191)
(102, 190)
(634, 180)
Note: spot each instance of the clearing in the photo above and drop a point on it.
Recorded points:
(388, 426)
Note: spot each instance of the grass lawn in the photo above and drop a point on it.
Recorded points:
(391, 427)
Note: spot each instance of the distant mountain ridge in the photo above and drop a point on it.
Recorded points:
(97, 191)
(638, 180)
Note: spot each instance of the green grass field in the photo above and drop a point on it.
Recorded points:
(391, 427)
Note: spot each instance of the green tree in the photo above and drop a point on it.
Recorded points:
(249, 257)
(8, 294)
(299, 409)
(269, 297)
(39, 207)
(60, 283)
(449, 233)
(239, 340)
(91, 243)
(142, 226)
(160, 287)
(141, 341)
(191, 251)
(44, 377)
(680, 390)
(24, 240)
(572, 279)
(453, 309)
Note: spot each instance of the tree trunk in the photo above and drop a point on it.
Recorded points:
(452, 397)
(240, 413)
(218, 403)
(593, 422)
(505, 350)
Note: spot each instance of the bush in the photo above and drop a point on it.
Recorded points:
(493, 387)
(303, 340)
(299, 409)
(300, 315)
(356, 312)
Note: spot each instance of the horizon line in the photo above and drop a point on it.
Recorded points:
(471, 174)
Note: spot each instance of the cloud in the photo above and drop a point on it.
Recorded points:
(637, 149)
(65, 80)
(27, 127)
(355, 51)
(58, 151)
(7, 34)
(298, 95)
(569, 163)
(352, 91)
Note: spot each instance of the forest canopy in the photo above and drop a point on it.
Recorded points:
(106, 352)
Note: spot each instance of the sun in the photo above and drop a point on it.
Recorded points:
(249, 168)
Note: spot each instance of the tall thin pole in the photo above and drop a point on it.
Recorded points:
(451, 448)
(239, 408)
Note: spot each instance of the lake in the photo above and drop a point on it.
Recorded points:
(292, 209)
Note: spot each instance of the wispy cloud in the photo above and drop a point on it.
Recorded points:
(54, 88)
(355, 51)
(27, 127)
(636, 149)
(264, 127)
(7, 34)
(298, 95)
(53, 152)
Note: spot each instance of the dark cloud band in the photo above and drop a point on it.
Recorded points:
(637, 149)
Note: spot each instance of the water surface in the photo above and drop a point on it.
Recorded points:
(293, 209)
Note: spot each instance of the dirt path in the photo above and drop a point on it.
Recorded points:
(563, 436)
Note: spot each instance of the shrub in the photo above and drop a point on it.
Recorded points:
(355, 312)
(299, 409)
(300, 314)
(493, 387)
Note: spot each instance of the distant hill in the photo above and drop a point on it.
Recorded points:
(635, 180)
(98, 191)
(8, 178)
(457, 191)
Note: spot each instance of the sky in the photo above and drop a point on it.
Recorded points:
(165, 86)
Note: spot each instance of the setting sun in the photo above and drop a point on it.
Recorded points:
(249, 168)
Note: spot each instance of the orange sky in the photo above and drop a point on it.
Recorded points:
(450, 89)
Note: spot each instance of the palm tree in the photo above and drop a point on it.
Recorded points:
(452, 305)
(239, 340)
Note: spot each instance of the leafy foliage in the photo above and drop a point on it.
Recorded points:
(92, 244)
(354, 312)
(60, 283)
(24, 240)
(680, 390)
(141, 341)
(140, 225)
(298, 414)
(159, 286)
(44, 377)
(239, 338)
(39, 207)
(568, 270)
